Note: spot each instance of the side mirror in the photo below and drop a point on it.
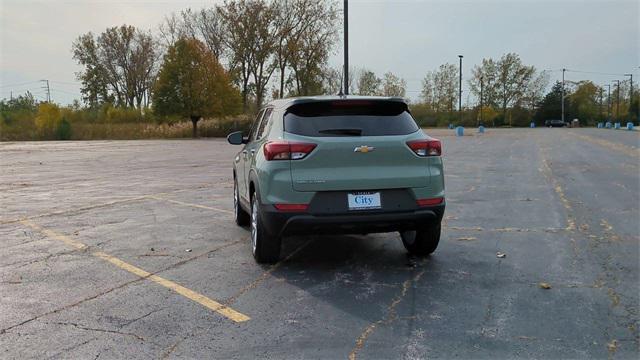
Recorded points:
(236, 138)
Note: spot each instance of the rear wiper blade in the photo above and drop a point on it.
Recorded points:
(352, 132)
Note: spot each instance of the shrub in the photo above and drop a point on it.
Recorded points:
(48, 119)
(63, 131)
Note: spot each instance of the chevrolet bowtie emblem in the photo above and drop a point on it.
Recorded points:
(364, 149)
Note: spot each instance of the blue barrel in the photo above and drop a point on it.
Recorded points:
(481, 129)
(616, 126)
(450, 126)
(532, 125)
(459, 131)
(629, 126)
(608, 125)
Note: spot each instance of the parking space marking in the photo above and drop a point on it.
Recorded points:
(266, 274)
(191, 205)
(627, 150)
(177, 288)
(105, 204)
(547, 172)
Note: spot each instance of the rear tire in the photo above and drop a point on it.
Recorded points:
(421, 242)
(241, 216)
(265, 246)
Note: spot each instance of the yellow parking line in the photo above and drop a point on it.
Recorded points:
(192, 205)
(189, 294)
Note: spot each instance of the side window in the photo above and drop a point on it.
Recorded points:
(255, 125)
(263, 125)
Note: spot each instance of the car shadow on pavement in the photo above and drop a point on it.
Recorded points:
(362, 275)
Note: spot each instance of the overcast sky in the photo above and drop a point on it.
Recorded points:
(408, 38)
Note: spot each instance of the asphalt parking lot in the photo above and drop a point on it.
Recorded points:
(113, 249)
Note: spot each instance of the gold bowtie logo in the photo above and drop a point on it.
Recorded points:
(364, 149)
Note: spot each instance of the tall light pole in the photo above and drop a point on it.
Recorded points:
(563, 70)
(617, 100)
(346, 47)
(481, 105)
(630, 93)
(460, 91)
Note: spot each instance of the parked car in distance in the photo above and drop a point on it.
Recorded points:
(555, 123)
(338, 164)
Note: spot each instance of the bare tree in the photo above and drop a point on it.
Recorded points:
(512, 80)
(440, 88)
(120, 64)
(310, 50)
(369, 83)
(393, 85)
(261, 35)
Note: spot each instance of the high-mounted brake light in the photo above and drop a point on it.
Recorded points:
(286, 150)
(430, 202)
(426, 147)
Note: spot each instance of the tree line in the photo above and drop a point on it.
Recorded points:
(252, 39)
(506, 91)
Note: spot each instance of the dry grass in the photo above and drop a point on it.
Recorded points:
(128, 131)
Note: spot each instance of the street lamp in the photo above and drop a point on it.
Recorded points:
(481, 105)
(630, 93)
(460, 91)
(346, 47)
(563, 70)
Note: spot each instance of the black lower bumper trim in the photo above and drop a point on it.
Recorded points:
(350, 223)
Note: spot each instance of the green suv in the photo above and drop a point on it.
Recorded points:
(338, 164)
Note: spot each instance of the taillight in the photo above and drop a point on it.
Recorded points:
(426, 147)
(430, 202)
(291, 207)
(286, 150)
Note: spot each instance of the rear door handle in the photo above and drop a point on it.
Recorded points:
(244, 153)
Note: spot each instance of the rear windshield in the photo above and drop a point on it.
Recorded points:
(349, 118)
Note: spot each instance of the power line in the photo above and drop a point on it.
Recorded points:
(65, 82)
(65, 92)
(594, 72)
(19, 84)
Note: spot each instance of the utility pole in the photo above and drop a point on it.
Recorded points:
(47, 89)
(630, 93)
(617, 100)
(346, 47)
(563, 70)
(481, 105)
(460, 91)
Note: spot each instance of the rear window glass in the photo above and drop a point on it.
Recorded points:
(349, 118)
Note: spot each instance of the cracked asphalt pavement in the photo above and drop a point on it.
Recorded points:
(127, 249)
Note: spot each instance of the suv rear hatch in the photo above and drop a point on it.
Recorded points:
(360, 145)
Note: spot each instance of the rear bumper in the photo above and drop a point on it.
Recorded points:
(285, 223)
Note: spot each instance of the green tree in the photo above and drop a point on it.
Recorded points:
(551, 105)
(193, 84)
(584, 102)
(508, 83)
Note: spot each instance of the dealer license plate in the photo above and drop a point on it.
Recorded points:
(364, 200)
